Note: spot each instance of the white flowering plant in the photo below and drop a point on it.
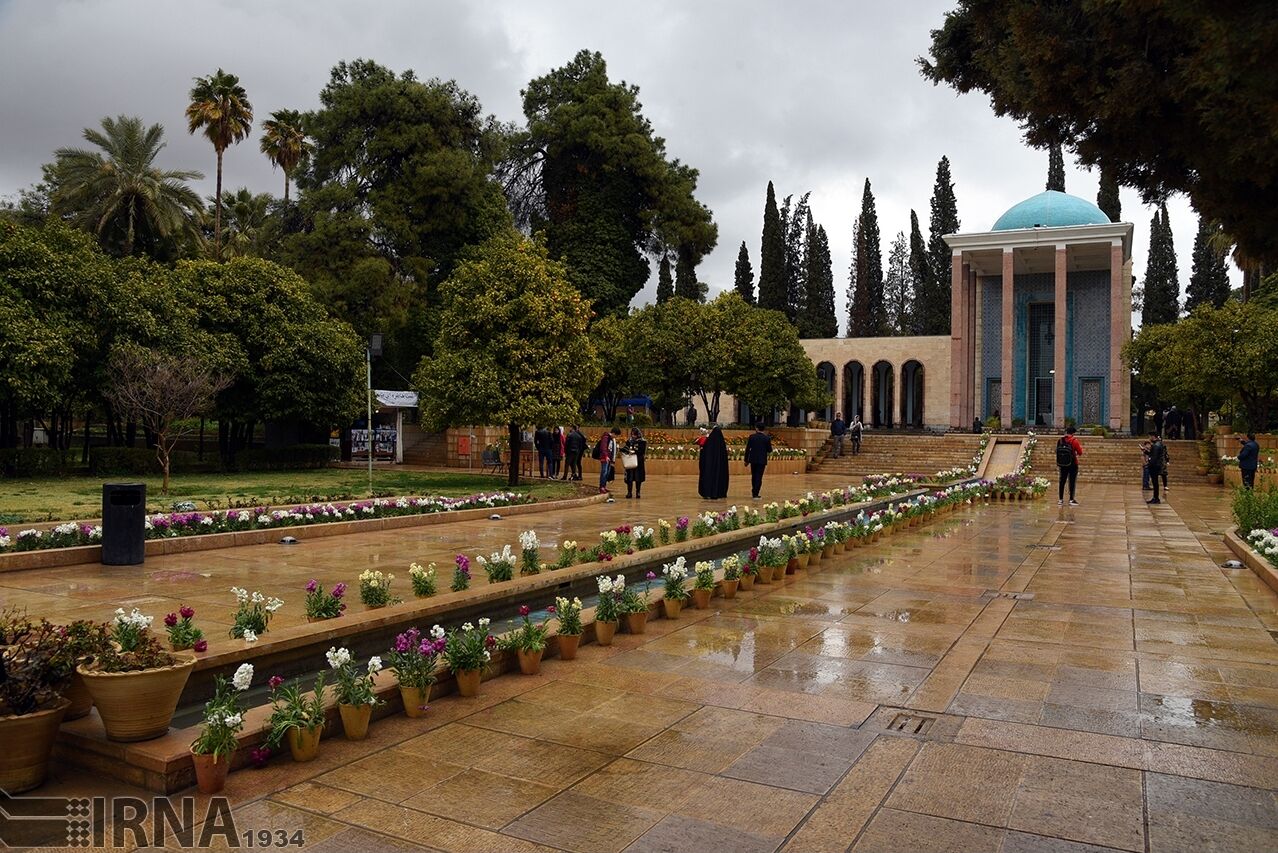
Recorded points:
(129, 629)
(224, 715)
(568, 612)
(253, 612)
(663, 531)
(469, 648)
(675, 574)
(423, 580)
(611, 591)
(704, 571)
(375, 588)
(499, 566)
(567, 554)
(731, 566)
(772, 552)
(529, 553)
(645, 537)
(354, 683)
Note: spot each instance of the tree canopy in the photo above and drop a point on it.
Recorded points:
(1178, 96)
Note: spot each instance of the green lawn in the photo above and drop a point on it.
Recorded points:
(81, 497)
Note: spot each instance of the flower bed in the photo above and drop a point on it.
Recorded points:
(1265, 543)
(177, 524)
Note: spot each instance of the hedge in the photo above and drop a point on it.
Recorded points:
(286, 458)
(27, 462)
(140, 461)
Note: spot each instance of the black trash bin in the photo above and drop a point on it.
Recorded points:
(123, 524)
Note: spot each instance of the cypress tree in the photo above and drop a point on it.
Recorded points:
(818, 320)
(1209, 281)
(897, 292)
(743, 277)
(921, 279)
(945, 220)
(1107, 196)
(858, 297)
(686, 284)
(796, 222)
(1162, 284)
(1056, 169)
(665, 283)
(867, 316)
(772, 281)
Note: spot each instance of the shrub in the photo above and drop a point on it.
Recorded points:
(1256, 509)
(293, 456)
(141, 462)
(26, 462)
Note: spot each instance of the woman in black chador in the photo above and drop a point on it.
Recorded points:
(713, 482)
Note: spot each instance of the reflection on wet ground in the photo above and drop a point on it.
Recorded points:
(1128, 699)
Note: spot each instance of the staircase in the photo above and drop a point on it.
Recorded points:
(907, 454)
(1118, 460)
(424, 448)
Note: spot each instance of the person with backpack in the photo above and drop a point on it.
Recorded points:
(1157, 465)
(1068, 450)
(1248, 459)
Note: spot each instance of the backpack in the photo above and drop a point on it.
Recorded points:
(1064, 454)
(597, 453)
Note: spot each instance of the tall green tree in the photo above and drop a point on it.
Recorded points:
(1209, 280)
(796, 219)
(867, 315)
(921, 277)
(945, 220)
(743, 275)
(665, 281)
(119, 195)
(898, 290)
(246, 216)
(1055, 168)
(220, 107)
(1157, 91)
(590, 171)
(686, 284)
(513, 346)
(772, 280)
(1107, 195)
(284, 143)
(1161, 299)
(818, 319)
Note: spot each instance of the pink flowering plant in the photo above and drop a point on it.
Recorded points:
(322, 603)
(530, 636)
(182, 631)
(415, 656)
(461, 573)
(681, 529)
(634, 601)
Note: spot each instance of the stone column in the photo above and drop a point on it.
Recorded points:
(1009, 338)
(973, 383)
(838, 389)
(1058, 359)
(958, 328)
(1119, 333)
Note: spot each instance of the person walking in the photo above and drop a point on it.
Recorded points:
(713, 482)
(1144, 464)
(758, 449)
(556, 451)
(1067, 452)
(541, 444)
(1248, 459)
(606, 452)
(574, 449)
(838, 430)
(633, 456)
(856, 431)
(1157, 464)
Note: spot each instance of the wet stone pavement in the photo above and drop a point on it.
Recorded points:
(896, 698)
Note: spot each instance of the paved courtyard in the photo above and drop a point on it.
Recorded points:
(1127, 700)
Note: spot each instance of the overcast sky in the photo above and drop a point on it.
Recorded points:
(811, 95)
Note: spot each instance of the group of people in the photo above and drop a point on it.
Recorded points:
(558, 450)
(841, 430)
(712, 461)
(1155, 457)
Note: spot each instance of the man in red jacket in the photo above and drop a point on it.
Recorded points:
(1068, 450)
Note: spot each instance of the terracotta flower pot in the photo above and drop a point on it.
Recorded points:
(729, 588)
(747, 583)
(304, 743)
(468, 681)
(28, 741)
(672, 607)
(765, 575)
(138, 705)
(78, 695)
(355, 719)
(827, 552)
(530, 662)
(814, 557)
(636, 623)
(804, 559)
(701, 598)
(604, 632)
(415, 700)
(792, 565)
(568, 644)
(210, 772)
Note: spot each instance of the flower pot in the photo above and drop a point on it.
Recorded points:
(138, 705)
(792, 565)
(78, 695)
(529, 662)
(729, 588)
(210, 772)
(672, 606)
(28, 741)
(568, 644)
(604, 632)
(804, 559)
(701, 598)
(765, 575)
(304, 743)
(827, 552)
(1215, 478)
(415, 700)
(637, 622)
(355, 719)
(468, 681)
(814, 557)
(747, 583)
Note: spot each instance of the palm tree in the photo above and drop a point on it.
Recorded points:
(221, 107)
(246, 213)
(284, 142)
(117, 193)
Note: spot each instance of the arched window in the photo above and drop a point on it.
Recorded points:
(912, 394)
(825, 375)
(883, 394)
(853, 391)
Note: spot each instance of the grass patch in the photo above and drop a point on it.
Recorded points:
(81, 497)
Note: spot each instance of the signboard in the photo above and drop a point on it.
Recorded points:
(463, 445)
(383, 442)
(397, 399)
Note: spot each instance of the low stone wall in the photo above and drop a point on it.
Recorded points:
(662, 467)
(1264, 479)
(1258, 564)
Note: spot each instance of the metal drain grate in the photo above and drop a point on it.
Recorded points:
(1015, 596)
(911, 724)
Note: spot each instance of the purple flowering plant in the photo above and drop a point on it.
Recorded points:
(415, 656)
(324, 604)
(461, 573)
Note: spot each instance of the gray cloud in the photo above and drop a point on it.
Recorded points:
(814, 96)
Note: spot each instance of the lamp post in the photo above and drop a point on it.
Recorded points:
(374, 349)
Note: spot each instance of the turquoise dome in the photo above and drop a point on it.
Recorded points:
(1051, 209)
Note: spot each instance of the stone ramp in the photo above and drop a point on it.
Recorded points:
(1002, 458)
